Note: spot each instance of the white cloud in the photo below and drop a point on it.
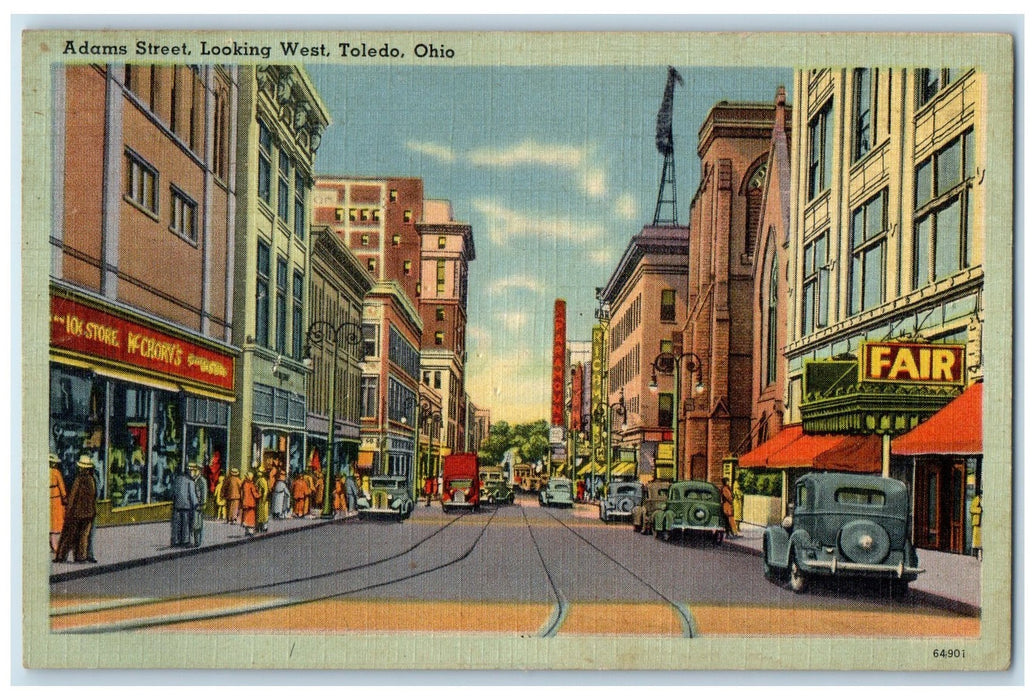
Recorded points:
(625, 207)
(602, 256)
(513, 321)
(592, 180)
(515, 282)
(514, 384)
(505, 223)
(435, 150)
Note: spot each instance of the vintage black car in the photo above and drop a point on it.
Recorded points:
(691, 507)
(494, 487)
(389, 496)
(620, 500)
(843, 525)
(654, 498)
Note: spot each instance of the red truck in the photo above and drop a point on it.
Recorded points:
(460, 481)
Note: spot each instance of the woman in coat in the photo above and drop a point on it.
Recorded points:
(281, 499)
(58, 500)
(262, 509)
(249, 503)
(300, 491)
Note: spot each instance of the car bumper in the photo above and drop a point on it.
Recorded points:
(380, 511)
(834, 567)
(698, 528)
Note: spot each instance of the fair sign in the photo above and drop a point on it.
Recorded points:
(913, 363)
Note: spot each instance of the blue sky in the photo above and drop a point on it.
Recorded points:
(555, 169)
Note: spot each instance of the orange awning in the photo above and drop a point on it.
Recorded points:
(954, 430)
(792, 448)
(759, 457)
(365, 459)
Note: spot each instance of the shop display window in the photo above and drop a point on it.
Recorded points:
(77, 410)
(166, 444)
(128, 434)
(206, 447)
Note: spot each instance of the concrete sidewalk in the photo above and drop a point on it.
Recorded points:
(953, 577)
(122, 546)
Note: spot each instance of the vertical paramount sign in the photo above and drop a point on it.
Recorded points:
(557, 382)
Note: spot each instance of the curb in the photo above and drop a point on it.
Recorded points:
(186, 552)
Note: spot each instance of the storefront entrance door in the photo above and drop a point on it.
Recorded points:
(939, 505)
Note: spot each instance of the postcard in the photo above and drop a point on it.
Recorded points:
(514, 350)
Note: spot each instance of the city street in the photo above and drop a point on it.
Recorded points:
(518, 569)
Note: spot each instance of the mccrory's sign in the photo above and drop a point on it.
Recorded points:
(913, 363)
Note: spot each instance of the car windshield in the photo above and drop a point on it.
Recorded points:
(561, 486)
(700, 494)
(385, 484)
(625, 489)
(460, 483)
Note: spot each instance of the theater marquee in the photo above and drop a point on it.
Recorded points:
(912, 363)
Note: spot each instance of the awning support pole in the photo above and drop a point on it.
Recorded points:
(885, 455)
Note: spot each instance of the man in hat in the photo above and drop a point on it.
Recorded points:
(201, 487)
(79, 514)
(232, 494)
(184, 503)
(58, 501)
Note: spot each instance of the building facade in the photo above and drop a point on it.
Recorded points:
(646, 302)
(142, 363)
(716, 422)
(887, 251)
(280, 120)
(337, 285)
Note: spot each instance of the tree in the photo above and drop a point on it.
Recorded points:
(496, 444)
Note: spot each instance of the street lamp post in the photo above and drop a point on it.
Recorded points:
(694, 367)
(426, 416)
(619, 408)
(350, 335)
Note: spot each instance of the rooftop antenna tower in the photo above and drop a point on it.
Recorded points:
(667, 188)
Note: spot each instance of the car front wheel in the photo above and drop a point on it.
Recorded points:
(797, 576)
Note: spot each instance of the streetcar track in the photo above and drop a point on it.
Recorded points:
(560, 610)
(685, 617)
(123, 604)
(280, 604)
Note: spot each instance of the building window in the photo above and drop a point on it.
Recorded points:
(375, 215)
(281, 305)
(364, 239)
(815, 296)
(300, 217)
(369, 340)
(942, 238)
(184, 216)
(821, 138)
(440, 337)
(407, 267)
(864, 108)
(441, 242)
(668, 305)
(141, 183)
(408, 215)
(930, 81)
(262, 294)
(352, 214)
(368, 391)
(364, 214)
(393, 195)
(339, 214)
(868, 240)
(371, 265)
(438, 380)
(283, 191)
(771, 321)
(440, 313)
(440, 276)
(664, 409)
(396, 239)
(265, 162)
(297, 332)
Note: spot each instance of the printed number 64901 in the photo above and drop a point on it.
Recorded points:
(950, 653)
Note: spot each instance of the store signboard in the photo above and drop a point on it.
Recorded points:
(912, 363)
(88, 331)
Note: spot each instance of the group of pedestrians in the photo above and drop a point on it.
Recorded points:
(72, 513)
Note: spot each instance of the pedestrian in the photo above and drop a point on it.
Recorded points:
(184, 503)
(580, 490)
(262, 508)
(232, 494)
(79, 514)
(300, 494)
(201, 488)
(727, 508)
(310, 490)
(318, 486)
(58, 501)
(340, 502)
(429, 490)
(281, 498)
(351, 493)
(249, 503)
(213, 472)
(220, 499)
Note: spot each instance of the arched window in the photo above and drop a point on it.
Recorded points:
(771, 321)
(753, 195)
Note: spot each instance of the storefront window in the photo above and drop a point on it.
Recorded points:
(166, 444)
(129, 435)
(77, 403)
(296, 445)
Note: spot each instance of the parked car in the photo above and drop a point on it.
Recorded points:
(494, 488)
(654, 497)
(620, 501)
(389, 496)
(691, 506)
(843, 525)
(557, 492)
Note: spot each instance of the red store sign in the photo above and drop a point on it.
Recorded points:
(89, 331)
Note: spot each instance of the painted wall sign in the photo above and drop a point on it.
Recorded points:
(84, 329)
